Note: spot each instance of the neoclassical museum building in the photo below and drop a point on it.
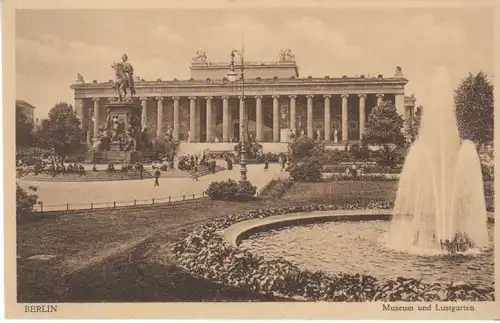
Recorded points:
(209, 107)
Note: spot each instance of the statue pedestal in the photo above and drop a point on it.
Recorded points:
(114, 146)
(124, 111)
(119, 117)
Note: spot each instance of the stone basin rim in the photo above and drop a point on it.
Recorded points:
(237, 232)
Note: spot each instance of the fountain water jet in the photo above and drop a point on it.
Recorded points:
(440, 197)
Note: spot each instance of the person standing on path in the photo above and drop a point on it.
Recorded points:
(266, 165)
(157, 176)
(141, 170)
(195, 173)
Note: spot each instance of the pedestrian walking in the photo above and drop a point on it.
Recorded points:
(157, 176)
(213, 166)
(195, 173)
(266, 165)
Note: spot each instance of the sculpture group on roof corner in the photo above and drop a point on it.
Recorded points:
(286, 55)
(200, 57)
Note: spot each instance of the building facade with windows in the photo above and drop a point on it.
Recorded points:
(27, 110)
(272, 100)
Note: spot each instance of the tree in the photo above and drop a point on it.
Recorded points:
(302, 147)
(384, 126)
(165, 146)
(474, 108)
(25, 200)
(61, 132)
(414, 127)
(25, 136)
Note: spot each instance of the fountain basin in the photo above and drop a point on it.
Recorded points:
(208, 253)
(235, 233)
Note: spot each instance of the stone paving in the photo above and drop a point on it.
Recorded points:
(79, 195)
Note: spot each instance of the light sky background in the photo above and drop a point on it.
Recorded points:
(52, 46)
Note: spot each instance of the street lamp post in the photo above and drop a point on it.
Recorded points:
(232, 76)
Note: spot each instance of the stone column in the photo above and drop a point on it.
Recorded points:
(293, 120)
(400, 106)
(327, 117)
(276, 118)
(310, 131)
(258, 119)
(345, 119)
(79, 110)
(231, 121)
(144, 113)
(225, 119)
(176, 130)
(362, 115)
(380, 98)
(208, 119)
(242, 116)
(97, 113)
(159, 116)
(192, 119)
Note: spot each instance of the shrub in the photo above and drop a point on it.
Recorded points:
(223, 190)
(231, 191)
(25, 201)
(390, 156)
(246, 191)
(360, 152)
(307, 172)
(277, 187)
(302, 147)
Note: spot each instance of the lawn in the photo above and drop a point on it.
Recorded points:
(124, 254)
(326, 192)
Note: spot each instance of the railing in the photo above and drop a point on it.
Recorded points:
(41, 207)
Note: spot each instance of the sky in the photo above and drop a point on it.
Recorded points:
(52, 46)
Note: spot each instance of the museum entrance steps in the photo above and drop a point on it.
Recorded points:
(191, 148)
(205, 170)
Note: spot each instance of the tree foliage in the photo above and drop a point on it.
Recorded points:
(165, 146)
(414, 127)
(302, 147)
(384, 126)
(62, 132)
(25, 201)
(25, 136)
(474, 108)
(309, 171)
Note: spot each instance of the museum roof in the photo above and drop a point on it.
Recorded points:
(292, 80)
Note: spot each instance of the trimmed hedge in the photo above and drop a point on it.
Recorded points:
(206, 254)
(307, 172)
(231, 190)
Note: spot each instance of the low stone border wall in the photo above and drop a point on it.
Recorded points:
(206, 253)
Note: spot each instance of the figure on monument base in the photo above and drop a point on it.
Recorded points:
(335, 136)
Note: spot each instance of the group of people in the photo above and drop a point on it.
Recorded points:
(354, 171)
(40, 166)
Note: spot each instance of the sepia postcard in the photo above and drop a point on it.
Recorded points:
(250, 159)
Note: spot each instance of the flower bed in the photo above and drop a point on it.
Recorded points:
(362, 177)
(206, 254)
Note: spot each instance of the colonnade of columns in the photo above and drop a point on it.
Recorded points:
(227, 129)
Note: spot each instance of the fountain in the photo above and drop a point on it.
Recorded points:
(437, 232)
(440, 202)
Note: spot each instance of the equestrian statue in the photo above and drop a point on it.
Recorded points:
(124, 77)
